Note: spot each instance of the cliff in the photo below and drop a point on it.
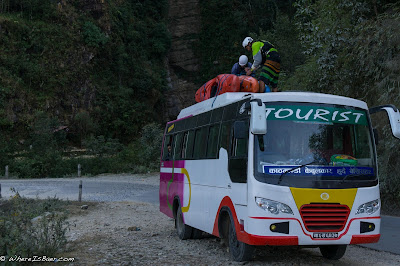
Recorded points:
(182, 64)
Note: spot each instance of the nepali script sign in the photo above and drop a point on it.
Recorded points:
(316, 170)
(316, 114)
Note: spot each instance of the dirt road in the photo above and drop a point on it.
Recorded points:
(134, 233)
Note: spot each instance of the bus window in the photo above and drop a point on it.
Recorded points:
(188, 150)
(199, 143)
(239, 147)
(184, 144)
(213, 142)
(168, 146)
(178, 146)
(225, 135)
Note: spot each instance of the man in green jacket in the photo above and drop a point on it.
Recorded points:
(267, 57)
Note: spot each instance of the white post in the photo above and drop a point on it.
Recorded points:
(79, 170)
(6, 172)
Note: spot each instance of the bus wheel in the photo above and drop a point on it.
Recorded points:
(239, 251)
(333, 252)
(184, 231)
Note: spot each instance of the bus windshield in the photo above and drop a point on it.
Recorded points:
(317, 146)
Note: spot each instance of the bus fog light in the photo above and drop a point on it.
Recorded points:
(369, 207)
(273, 207)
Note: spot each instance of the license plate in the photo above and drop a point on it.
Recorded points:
(325, 235)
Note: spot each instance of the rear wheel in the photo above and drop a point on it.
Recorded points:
(239, 251)
(184, 231)
(333, 252)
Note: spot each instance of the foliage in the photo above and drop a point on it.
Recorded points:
(24, 236)
(92, 35)
(105, 60)
(147, 150)
(42, 156)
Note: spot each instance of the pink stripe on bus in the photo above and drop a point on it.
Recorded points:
(175, 164)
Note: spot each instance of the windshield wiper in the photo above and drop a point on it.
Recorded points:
(294, 168)
(352, 175)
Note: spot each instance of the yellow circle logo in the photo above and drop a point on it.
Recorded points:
(325, 196)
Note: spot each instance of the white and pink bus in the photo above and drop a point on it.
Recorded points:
(286, 168)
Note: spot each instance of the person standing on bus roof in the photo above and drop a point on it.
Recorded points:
(240, 68)
(267, 57)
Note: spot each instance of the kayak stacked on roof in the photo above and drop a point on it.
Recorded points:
(226, 83)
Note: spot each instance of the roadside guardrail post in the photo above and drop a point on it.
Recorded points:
(79, 170)
(6, 172)
(80, 191)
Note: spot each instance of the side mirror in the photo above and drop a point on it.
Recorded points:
(240, 130)
(394, 117)
(376, 135)
(258, 119)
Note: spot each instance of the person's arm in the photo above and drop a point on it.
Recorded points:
(257, 60)
(235, 69)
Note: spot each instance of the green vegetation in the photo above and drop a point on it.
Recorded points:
(86, 74)
(31, 227)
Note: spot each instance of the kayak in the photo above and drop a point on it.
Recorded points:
(218, 85)
(248, 84)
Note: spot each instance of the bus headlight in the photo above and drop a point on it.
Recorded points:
(273, 207)
(369, 207)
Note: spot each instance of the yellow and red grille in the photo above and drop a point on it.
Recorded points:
(324, 217)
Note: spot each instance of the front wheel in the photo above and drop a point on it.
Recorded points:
(333, 252)
(184, 231)
(239, 251)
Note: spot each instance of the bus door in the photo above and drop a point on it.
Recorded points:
(237, 164)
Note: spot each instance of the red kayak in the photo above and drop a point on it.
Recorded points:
(248, 84)
(219, 85)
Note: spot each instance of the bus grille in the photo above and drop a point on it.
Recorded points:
(323, 217)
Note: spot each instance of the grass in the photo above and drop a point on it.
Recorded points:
(32, 227)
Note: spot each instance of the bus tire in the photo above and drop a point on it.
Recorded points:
(333, 252)
(239, 251)
(184, 231)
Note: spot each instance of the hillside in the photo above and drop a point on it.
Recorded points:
(97, 66)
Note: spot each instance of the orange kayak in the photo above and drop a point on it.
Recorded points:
(218, 85)
(248, 84)
(204, 92)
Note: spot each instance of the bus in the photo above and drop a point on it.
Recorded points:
(276, 169)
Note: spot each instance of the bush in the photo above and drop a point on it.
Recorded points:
(92, 35)
(145, 152)
(100, 146)
(21, 235)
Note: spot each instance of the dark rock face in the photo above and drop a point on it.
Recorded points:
(184, 26)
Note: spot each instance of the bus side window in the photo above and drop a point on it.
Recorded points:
(213, 142)
(178, 146)
(225, 135)
(184, 145)
(189, 146)
(239, 147)
(200, 141)
(168, 148)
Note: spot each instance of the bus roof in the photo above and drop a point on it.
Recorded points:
(304, 97)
